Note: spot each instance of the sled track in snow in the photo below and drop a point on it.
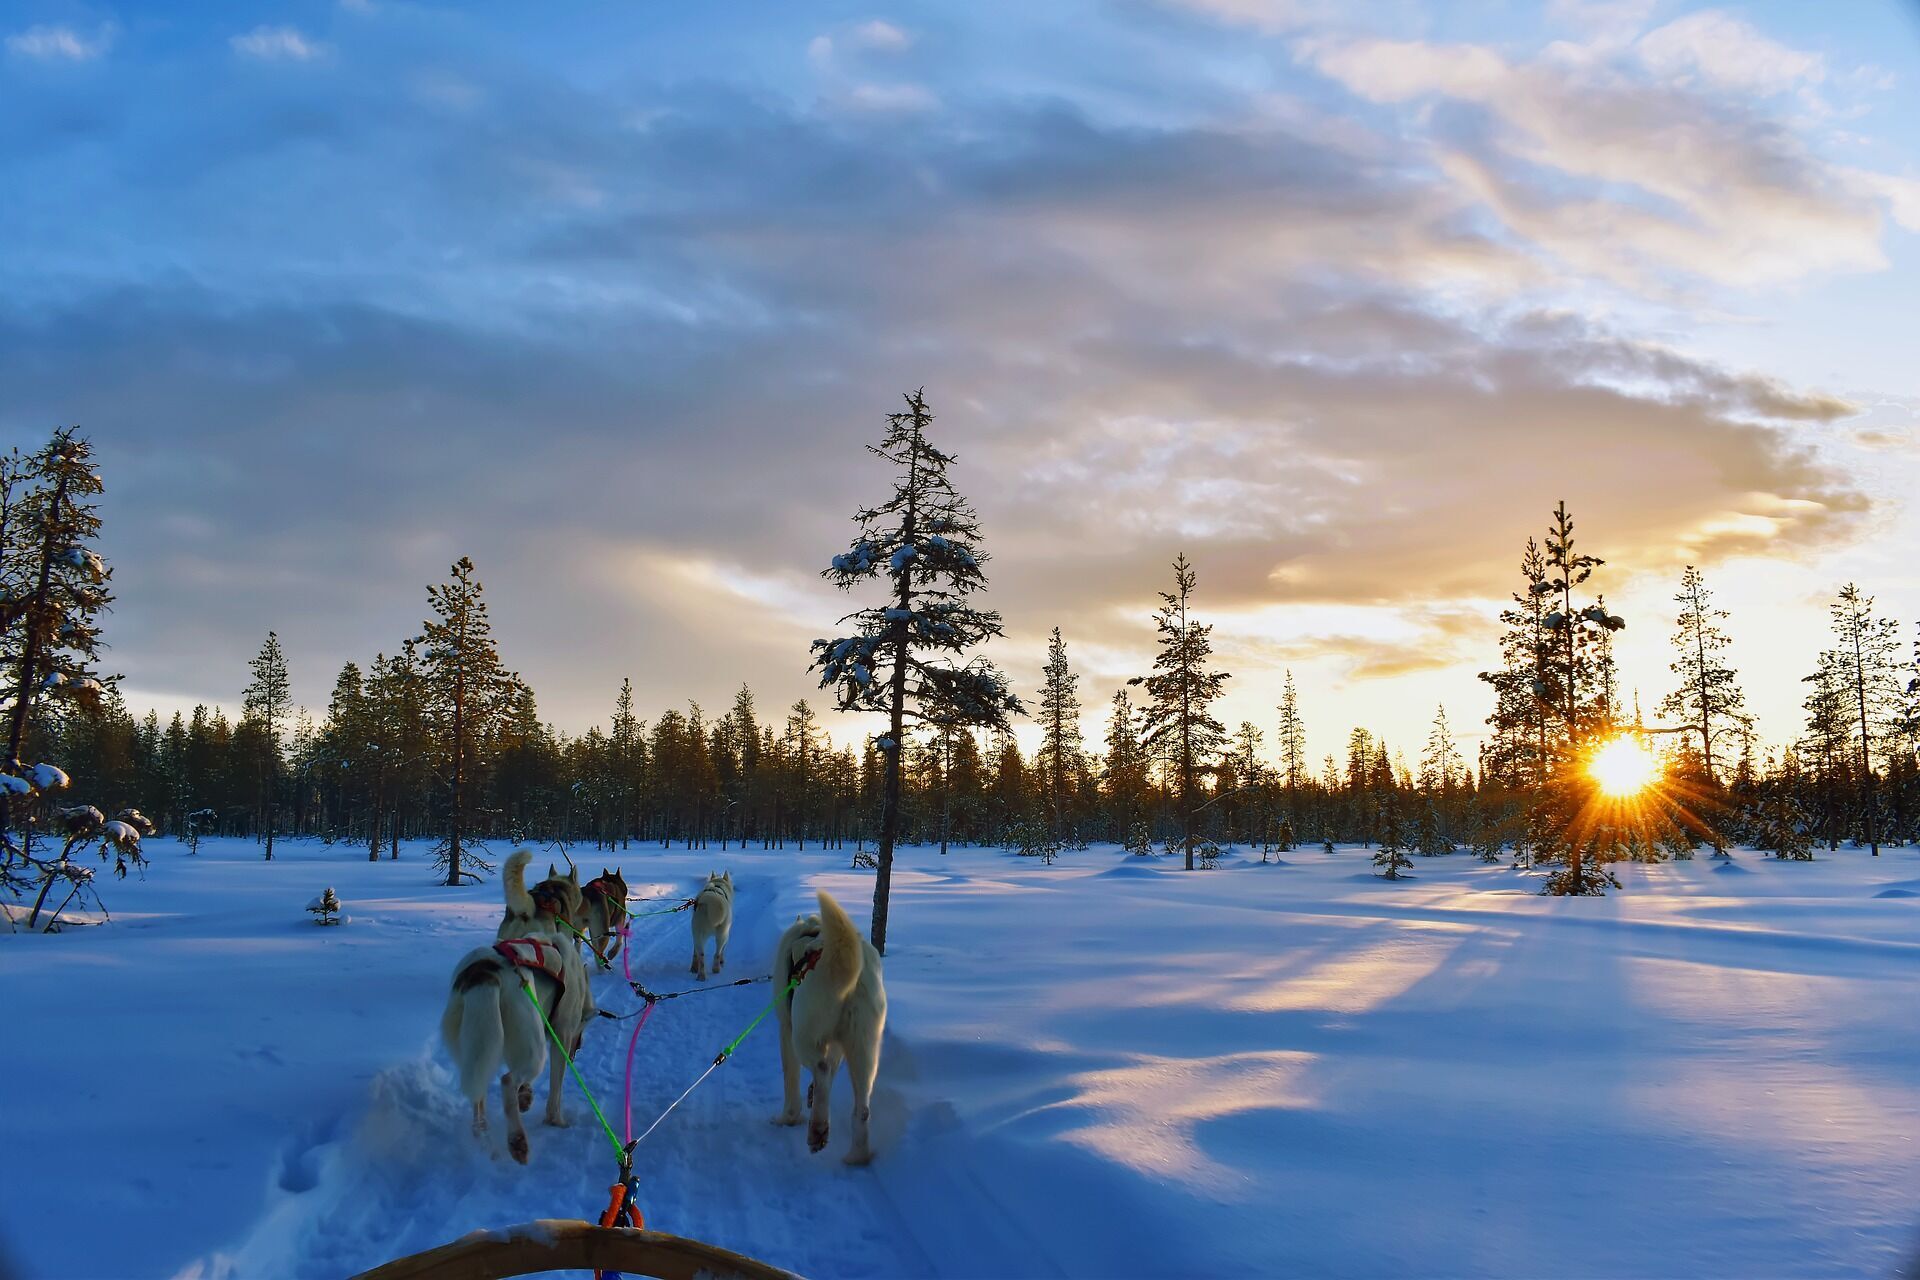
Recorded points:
(408, 1174)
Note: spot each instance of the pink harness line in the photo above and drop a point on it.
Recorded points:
(633, 1041)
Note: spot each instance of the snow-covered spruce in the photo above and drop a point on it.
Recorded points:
(906, 658)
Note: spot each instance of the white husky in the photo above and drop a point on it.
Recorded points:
(839, 1010)
(712, 918)
(489, 1023)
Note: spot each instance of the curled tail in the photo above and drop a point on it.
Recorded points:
(842, 954)
(514, 877)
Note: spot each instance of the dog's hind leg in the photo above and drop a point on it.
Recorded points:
(720, 949)
(863, 1063)
(789, 1078)
(480, 1117)
(516, 1132)
(556, 1079)
(825, 1068)
(526, 1095)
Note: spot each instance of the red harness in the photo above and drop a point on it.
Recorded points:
(540, 955)
(615, 901)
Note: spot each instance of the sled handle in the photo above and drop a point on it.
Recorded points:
(555, 1244)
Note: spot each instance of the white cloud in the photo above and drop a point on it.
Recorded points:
(59, 44)
(1637, 167)
(275, 44)
(1724, 52)
(881, 37)
(820, 52)
(1611, 22)
(890, 99)
(1271, 16)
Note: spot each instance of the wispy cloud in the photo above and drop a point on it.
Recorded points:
(60, 44)
(1724, 52)
(278, 44)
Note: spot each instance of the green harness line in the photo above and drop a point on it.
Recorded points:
(639, 915)
(727, 1052)
(619, 1151)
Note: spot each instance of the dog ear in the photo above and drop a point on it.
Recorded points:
(553, 872)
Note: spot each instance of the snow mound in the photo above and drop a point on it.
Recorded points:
(1132, 868)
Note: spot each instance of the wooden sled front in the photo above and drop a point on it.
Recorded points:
(561, 1244)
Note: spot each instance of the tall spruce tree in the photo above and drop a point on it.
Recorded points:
(1524, 730)
(1125, 769)
(266, 703)
(53, 589)
(1182, 690)
(1294, 766)
(1868, 668)
(1709, 700)
(468, 697)
(1061, 748)
(904, 658)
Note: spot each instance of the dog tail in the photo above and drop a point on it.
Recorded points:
(474, 1030)
(514, 877)
(842, 956)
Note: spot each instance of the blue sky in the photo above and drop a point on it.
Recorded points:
(1337, 299)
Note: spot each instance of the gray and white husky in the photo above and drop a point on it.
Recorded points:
(712, 919)
(839, 1011)
(490, 1025)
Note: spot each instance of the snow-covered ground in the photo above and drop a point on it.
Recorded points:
(1103, 1068)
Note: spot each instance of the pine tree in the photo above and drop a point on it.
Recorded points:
(1442, 768)
(1294, 769)
(53, 588)
(805, 743)
(1182, 689)
(266, 703)
(1866, 656)
(1126, 766)
(1708, 696)
(904, 658)
(625, 750)
(1392, 854)
(1523, 729)
(469, 695)
(1826, 742)
(1060, 740)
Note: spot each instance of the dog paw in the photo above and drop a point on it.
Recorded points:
(517, 1147)
(816, 1139)
(859, 1157)
(787, 1118)
(526, 1097)
(558, 1120)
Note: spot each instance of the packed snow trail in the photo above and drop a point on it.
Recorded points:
(718, 1170)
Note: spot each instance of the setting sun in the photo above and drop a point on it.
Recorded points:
(1623, 767)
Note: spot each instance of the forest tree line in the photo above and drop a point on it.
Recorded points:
(439, 738)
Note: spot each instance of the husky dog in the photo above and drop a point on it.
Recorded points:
(489, 1023)
(838, 1011)
(536, 909)
(712, 918)
(606, 903)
